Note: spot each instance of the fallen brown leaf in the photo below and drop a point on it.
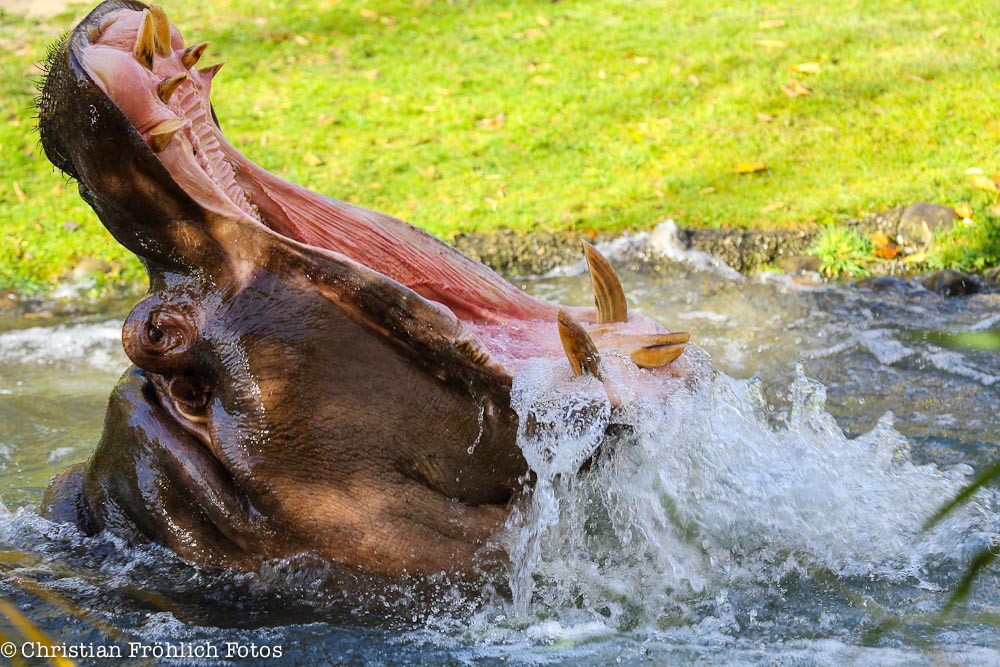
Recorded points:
(795, 88)
(495, 121)
(770, 24)
(773, 206)
(963, 210)
(771, 43)
(885, 248)
(983, 182)
(765, 117)
(937, 32)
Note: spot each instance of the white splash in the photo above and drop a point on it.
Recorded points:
(95, 345)
(702, 488)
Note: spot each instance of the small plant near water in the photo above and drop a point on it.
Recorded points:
(972, 244)
(842, 251)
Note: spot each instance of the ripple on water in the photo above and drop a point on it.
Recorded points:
(733, 521)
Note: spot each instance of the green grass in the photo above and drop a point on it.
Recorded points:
(842, 251)
(587, 115)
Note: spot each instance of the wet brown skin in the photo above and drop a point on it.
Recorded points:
(290, 394)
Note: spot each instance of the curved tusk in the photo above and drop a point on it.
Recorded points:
(580, 349)
(145, 43)
(161, 29)
(608, 293)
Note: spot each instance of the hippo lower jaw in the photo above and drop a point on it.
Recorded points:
(312, 373)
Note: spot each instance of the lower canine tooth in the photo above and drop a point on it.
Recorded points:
(580, 349)
(608, 293)
(161, 135)
(145, 43)
(161, 29)
(167, 87)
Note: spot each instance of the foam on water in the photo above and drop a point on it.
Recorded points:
(95, 345)
(703, 488)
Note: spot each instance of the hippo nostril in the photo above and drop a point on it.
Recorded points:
(157, 336)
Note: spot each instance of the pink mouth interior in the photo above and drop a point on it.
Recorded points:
(223, 180)
(510, 323)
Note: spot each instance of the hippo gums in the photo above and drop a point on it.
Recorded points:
(309, 376)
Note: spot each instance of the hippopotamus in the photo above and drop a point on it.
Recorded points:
(308, 376)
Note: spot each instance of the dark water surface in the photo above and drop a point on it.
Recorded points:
(768, 513)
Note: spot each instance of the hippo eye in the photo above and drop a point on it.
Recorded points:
(155, 335)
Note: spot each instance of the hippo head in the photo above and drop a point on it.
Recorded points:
(309, 376)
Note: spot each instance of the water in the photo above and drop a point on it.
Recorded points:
(764, 509)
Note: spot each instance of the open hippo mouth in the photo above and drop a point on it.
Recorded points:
(310, 373)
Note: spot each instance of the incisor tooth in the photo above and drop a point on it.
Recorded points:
(144, 41)
(167, 87)
(580, 349)
(161, 135)
(193, 54)
(654, 356)
(608, 293)
(161, 29)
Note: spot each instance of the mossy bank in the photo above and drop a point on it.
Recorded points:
(582, 119)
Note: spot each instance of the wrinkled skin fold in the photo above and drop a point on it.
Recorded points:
(309, 376)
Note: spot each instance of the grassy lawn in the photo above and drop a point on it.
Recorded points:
(588, 115)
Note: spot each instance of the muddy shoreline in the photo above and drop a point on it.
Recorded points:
(513, 254)
(746, 250)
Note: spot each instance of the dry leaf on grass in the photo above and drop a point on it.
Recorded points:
(983, 182)
(750, 167)
(884, 247)
(795, 88)
(805, 68)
